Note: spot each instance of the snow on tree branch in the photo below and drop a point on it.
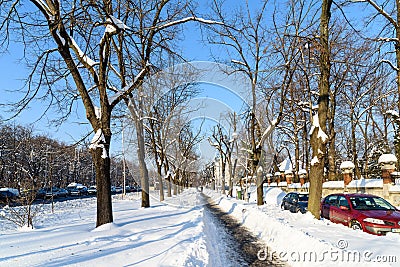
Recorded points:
(98, 141)
(181, 21)
(382, 12)
(315, 125)
(387, 39)
(44, 7)
(113, 24)
(83, 57)
(390, 64)
(238, 62)
(392, 113)
(97, 111)
(113, 100)
(267, 132)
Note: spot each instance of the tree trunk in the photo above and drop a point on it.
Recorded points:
(354, 146)
(144, 174)
(103, 185)
(332, 140)
(160, 182)
(161, 185)
(397, 47)
(331, 157)
(175, 183)
(260, 187)
(169, 188)
(260, 182)
(223, 166)
(230, 179)
(318, 143)
(296, 157)
(169, 180)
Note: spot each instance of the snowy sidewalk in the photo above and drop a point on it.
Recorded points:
(163, 235)
(180, 232)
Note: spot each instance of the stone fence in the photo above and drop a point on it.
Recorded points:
(387, 187)
(390, 192)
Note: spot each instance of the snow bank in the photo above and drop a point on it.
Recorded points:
(301, 240)
(163, 235)
(366, 183)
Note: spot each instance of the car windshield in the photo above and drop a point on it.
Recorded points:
(370, 203)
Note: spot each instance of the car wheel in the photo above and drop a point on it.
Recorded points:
(356, 225)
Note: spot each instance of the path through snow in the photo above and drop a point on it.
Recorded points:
(234, 244)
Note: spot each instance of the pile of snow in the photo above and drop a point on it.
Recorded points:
(163, 235)
(301, 240)
(178, 232)
(367, 183)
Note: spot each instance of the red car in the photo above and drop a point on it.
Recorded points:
(370, 213)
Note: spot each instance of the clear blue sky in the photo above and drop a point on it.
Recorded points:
(13, 73)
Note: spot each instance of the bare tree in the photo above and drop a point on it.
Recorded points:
(318, 135)
(251, 51)
(389, 35)
(168, 106)
(224, 143)
(103, 51)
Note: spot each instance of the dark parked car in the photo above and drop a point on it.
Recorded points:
(295, 202)
(62, 192)
(370, 213)
(92, 190)
(79, 191)
(136, 188)
(54, 192)
(41, 193)
(118, 189)
(7, 196)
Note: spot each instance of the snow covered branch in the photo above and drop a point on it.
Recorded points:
(81, 55)
(238, 62)
(382, 12)
(390, 64)
(387, 39)
(184, 20)
(267, 132)
(114, 24)
(315, 125)
(128, 88)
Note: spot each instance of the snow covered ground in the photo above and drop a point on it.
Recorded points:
(174, 233)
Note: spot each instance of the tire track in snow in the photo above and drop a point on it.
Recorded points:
(234, 245)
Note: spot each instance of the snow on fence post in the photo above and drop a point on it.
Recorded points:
(277, 178)
(347, 170)
(269, 178)
(388, 165)
(289, 176)
(302, 176)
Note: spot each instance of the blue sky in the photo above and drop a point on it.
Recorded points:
(14, 72)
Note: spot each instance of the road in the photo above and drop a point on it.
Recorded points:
(235, 246)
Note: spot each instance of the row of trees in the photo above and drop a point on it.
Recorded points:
(323, 80)
(315, 80)
(31, 161)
